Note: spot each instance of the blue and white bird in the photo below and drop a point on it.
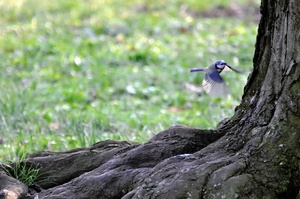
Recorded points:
(213, 84)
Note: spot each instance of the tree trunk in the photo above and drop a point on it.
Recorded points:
(254, 154)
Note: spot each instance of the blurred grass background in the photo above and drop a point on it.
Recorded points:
(75, 72)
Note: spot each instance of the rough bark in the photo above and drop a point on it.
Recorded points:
(110, 168)
(254, 154)
(11, 188)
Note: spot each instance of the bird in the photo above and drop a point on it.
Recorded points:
(213, 84)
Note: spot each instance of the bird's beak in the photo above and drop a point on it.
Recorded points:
(196, 70)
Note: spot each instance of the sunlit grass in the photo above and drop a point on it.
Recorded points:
(76, 72)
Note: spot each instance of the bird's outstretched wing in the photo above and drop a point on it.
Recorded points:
(214, 85)
(197, 70)
(235, 70)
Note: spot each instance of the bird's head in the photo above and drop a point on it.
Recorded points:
(220, 65)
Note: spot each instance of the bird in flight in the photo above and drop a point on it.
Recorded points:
(213, 84)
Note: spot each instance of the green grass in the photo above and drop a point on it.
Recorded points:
(21, 172)
(77, 72)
